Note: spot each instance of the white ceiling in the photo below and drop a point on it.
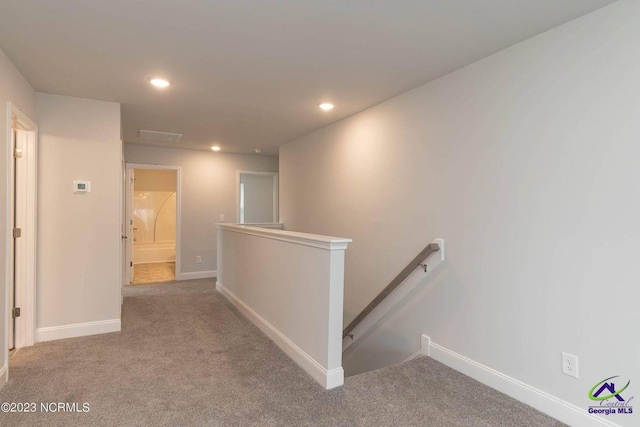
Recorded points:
(249, 73)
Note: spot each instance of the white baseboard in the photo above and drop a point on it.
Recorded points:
(327, 378)
(561, 410)
(424, 350)
(198, 275)
(77, 330)
(4, 375)
(413, 356)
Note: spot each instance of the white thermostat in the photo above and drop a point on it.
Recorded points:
(81, 186)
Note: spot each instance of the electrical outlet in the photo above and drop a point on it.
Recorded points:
(570, 365)
(221, 217)
(198, 259)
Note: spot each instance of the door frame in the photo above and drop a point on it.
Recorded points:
(25, 325)
(128, 196)
(276, 192)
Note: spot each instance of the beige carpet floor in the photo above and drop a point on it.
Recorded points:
(186, 357)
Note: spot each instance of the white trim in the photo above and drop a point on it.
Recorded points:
(561, 410)
(198, 275)
(328, 379)
(77, 330)
(178, 170)
(276, 190)
(273, 225)
(314, 240)
(424, 350)
(413, 356)
(7, 268)
(4, 375)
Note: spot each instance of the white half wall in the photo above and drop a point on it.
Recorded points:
(208, 190)
(291, 286)
(79, 262)
(526, 164)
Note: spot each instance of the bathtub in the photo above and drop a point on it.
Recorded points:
(147, 252)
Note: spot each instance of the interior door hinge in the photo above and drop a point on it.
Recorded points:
(17, 232)
(131, 264)
(15, 312)
(17, 153)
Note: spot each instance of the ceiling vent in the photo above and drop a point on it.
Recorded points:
(151, 135)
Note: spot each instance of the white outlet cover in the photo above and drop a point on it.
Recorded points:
(570, 365)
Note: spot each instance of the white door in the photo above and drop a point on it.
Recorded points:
(18, 255)
(12, 251)
(123, 228)
(129, 182)
(20, 224)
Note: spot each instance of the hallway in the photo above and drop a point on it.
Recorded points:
(186, 357)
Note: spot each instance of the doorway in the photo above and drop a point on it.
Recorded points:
(21, 230)
(257, 197)
(153, 218)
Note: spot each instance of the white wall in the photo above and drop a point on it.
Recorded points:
(291, 286)
(208, 190)
(258, 198)
(78, 234)
(14, 88)
(526, 163)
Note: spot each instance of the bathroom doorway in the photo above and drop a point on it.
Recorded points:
(153, 218)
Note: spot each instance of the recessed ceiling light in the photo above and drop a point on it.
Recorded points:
(326, 106)
(216, 148)
(258, 150)
(158, 82)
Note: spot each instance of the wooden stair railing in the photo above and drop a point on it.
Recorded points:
(415, 263)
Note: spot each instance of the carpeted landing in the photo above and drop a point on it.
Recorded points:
(186, 357)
